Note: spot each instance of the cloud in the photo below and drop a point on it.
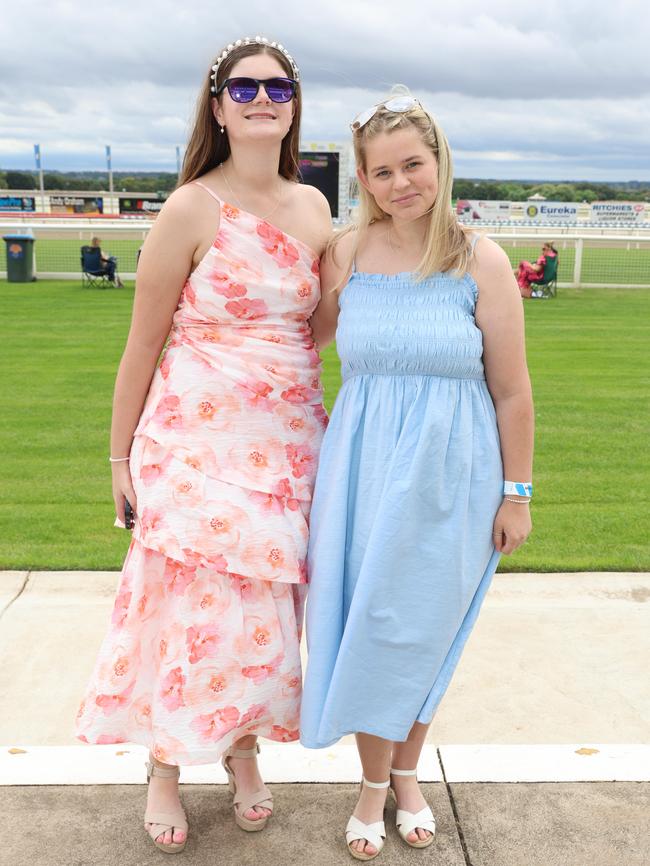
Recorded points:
(563, 87)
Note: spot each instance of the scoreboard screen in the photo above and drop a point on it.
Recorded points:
(321, 169)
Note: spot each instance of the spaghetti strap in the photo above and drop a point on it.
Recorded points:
(208, 190)
(475, 237)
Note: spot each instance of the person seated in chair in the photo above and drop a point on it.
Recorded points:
(109, 264)
(528, 274)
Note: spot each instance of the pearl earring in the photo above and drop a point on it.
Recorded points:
(221, 130)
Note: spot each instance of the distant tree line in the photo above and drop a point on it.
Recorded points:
(92, 181)
(510, 190)
(505, 190)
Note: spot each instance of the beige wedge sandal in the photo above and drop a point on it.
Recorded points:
(241, 803)
(163, 821)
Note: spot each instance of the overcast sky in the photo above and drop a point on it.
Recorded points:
(552, 90)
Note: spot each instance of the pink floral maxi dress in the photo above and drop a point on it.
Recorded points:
(203, 646)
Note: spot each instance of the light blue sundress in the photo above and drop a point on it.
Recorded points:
(409, 482)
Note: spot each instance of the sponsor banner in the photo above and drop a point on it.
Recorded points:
(142, 206)
(618, 211)
(17, 204)
(483, 210)
(555, 211)
(90, 205)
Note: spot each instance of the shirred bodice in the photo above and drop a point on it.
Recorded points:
(395, 325)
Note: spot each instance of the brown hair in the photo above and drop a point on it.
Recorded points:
(208, 147)
(447, 245)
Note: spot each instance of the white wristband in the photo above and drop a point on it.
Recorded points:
(517, 488)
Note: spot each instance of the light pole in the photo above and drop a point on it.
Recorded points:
(39, 169)
(109, 167)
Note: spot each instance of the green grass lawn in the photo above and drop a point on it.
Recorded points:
(588, 360)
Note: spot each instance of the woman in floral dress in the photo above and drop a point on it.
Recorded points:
(215, 448)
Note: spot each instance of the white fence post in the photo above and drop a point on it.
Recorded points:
(577, 264)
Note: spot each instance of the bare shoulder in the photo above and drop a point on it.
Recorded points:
(184, 219)
(184, 201)
(312, 210)
(177, 213)
(497, 288)
(311, 197)
(491, 268)
(488, 256)
(178, 230)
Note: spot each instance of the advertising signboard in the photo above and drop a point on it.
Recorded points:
(618, 211)
(17, 204)
(146, 207)
(554, 211)
(494, 211)
(80, 204)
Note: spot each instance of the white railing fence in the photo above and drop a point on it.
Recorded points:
(585, 259)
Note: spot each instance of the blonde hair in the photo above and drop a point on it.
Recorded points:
(447, 245)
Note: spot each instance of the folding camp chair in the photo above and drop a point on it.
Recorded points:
(93, 273)
(547, 286)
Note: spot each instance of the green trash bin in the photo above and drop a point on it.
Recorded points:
(20, 258)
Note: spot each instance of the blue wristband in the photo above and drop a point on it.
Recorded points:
(517, 488)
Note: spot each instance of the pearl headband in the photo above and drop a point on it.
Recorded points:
(258, 40)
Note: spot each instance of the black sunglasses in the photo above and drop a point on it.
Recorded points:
(246, 89)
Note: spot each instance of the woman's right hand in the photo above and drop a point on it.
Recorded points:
(123, 489)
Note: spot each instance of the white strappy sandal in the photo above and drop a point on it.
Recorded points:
(163, 821)
(373, 833)
(242, 803)
(406, 822)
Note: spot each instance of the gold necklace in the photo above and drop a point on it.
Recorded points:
(239, 204)
(390, 243)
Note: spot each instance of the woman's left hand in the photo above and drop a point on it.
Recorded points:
(512, 526)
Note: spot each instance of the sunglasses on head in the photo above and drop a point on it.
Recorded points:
(246, 89)
(399, 104)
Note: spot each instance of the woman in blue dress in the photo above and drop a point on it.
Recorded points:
(425, 471)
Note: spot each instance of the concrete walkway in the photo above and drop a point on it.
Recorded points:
(554, 659)
(484, 825)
